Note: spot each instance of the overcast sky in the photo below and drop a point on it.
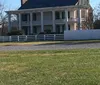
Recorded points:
(15, 4)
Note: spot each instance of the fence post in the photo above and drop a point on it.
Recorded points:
(36, 37)
(44, 37)
(26, 38)
(54, 37)
(18, 38)
(9, 38)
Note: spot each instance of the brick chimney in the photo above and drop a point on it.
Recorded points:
(23, 1)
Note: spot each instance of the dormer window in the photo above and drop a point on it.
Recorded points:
(83, 2)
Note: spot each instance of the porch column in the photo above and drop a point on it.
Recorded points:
(9, 22)
(53, 21)
(19, 21)
(42, 26)
(31, 23)
(79, 19)
(75, 14)
(66, 20)
(75, 18)
(75, 26)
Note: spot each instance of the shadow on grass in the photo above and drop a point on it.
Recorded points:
(71, 42)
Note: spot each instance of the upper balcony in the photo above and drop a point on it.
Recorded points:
(47, 22)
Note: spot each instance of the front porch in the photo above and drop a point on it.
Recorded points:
(48, 29)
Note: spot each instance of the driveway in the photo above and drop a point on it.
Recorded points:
(50, 47)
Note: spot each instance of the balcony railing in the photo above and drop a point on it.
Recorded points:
(46, 22)
(25, 23)
(37, 22)
(60, 21)
(73, 19)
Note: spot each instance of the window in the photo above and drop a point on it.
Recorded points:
(87, 2)
(63, 28)
(68, 14)
(34, 16)
(63, 15)
(24, 17)
(57, 15)
(35, 29)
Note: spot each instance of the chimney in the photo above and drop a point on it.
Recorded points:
(23, 1)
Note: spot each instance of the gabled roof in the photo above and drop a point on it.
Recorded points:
(47, 3)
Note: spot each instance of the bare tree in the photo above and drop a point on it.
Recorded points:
(97, 17)
(3, 17)
(88, 22)
(97, 12)
(93, 19)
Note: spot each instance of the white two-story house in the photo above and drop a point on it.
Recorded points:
(35, 16)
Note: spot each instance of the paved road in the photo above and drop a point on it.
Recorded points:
(50, 47)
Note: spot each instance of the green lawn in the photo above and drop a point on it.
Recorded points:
(59, 67)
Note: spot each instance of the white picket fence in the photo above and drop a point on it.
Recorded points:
(26, 38)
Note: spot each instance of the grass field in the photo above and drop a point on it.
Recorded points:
(47, 42)
(57, 67)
